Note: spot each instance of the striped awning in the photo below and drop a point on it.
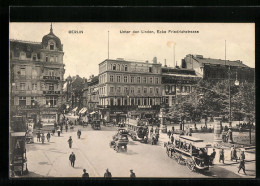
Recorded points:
(75, 109)
(83, 110)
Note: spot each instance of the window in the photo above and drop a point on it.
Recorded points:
(111, 89)
(125, 90)
(125, 79)
(112, 101)
(151, 90)
(139, 90)
(173, 88)
(51, 73)
(34, 86)
(167, 88)
(111, 78)
(157, 90)
(22, 55)
(145, 90)
(52, 59)
(118, 67)
(22, 101)
(144, 79)
(182, 89)
(118, 78)
(33, 100)
(157, 80)
(138, 101)
(51, 100)
(151, 80)
(178, 89)
(34, 57)
(51, 86)
(150, 69)
(138, 80)
(114, 66)
(22, 86)
(192, 89)
(51, 46)
(145, 102)
(188, 89)
(46, 58)
(125, 102)
(126, 69)
(132, 90)
(118, 89)
(132, 79)
(22, 69)
(167, 100)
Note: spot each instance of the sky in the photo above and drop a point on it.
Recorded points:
(84, 51)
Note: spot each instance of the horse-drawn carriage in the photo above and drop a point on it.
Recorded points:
(139, 133)
(120, 140)
(190, 151)
(95, 124)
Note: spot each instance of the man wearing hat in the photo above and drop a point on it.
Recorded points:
(107, 174)
(72, 159)
(132, 175)
(85, 174)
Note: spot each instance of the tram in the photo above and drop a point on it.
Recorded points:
(189, 151)
(138, 132)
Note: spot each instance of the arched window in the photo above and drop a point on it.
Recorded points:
(118, 67)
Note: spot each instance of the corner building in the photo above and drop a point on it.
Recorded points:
(37, 78)
(129, 87)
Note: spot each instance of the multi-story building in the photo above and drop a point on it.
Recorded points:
(129, 86)
(92, 93)
(218, 69)
(177, 84)
(37, 78)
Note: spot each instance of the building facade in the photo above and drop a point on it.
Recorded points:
(218, 69)
(37, 72)
(177, 84)
(129, 85)
(92, 93)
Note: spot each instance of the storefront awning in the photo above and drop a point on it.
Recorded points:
(83, 110)
(75, 109)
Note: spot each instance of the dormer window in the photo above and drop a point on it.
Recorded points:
(22, 55)
(51, 46)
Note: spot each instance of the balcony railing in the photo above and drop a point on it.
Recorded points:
(52, 92)
(50, 78)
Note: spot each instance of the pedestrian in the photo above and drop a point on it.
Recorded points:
(70, 142)
(242, 162)
(72, 159)
(172, 130)
(85, 174)
(132, 174)
(66, 127)
(172, 138)
(42, 138)
(79, 134)
(61, 128)
(107, 174)
(151, 131)
(212, 157)
(221, 156)
(38, 136)
(58, 132)
(48, 136)
(169, 133)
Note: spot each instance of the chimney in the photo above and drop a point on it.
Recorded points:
(165, 63)
(155, 60)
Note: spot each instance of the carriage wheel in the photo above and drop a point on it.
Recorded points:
(117, 148)
(190, 164)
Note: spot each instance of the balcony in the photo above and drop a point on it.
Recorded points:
(51, 78)
(51, 92)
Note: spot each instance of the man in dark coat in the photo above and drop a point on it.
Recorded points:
(38, 136)
(85, 174)
(132, 175)
(107, 174)
(48, 136)
(79, 134)
(70, 142)
(172, 138)
(221, 155)
(72, 159)
(242, 163)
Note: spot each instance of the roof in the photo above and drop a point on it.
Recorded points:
(237, 63)
(28, 47)
(170, 70)
(18, 134)
(130, 61)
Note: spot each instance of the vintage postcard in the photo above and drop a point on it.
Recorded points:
(132, 100)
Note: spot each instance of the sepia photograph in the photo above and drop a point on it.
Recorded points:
(131, 100)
